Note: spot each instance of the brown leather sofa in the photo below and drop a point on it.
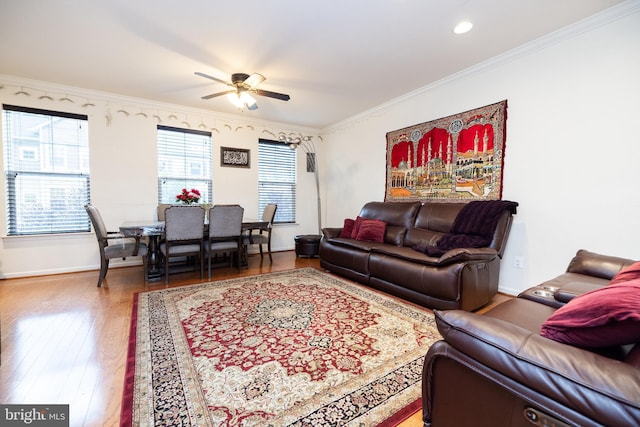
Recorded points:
(461, 278)
(497, 370)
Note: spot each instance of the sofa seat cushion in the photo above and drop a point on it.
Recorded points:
(522, 312)
(405, 253)
(452, 256)
(362, 245)
(605, 317)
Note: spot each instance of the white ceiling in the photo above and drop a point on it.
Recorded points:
(336, 58)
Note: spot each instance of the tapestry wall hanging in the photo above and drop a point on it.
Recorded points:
(455, 158)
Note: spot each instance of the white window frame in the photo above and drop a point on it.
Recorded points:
(277, 175)
(178, 150)
(43, 196)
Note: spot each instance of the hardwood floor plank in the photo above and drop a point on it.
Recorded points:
(64, 340)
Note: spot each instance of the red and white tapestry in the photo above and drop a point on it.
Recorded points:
(455, 158)
(301, 347)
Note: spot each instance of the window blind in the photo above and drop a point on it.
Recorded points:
(184, 161)
(46, 155)
(277, 179)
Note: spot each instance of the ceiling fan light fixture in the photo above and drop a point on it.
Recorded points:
(234, 98)
(242, 99)
(247, 99)
(243, 85)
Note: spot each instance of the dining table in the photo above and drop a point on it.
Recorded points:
(154, 230)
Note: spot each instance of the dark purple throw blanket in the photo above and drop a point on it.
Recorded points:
(473, 227)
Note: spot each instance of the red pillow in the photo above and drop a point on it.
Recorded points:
(371, 230)
(605, 317)
(356, 226)
(347, 228)
(628, 273)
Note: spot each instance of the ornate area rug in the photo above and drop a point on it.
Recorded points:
(300, 348)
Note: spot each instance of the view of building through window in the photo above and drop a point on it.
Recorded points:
(46, 156)
(184, 161)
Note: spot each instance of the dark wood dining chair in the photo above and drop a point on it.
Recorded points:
(225, 233)
(262, 236)
(183, 235)
(114, 244)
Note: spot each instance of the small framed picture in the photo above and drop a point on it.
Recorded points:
(235, 157)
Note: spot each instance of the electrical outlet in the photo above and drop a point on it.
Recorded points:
(518, 262)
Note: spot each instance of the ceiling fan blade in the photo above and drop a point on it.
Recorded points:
(254, 80)
(206, 76)
(213, 95)
(270, 94)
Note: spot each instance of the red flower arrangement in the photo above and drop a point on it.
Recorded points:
(187, 197)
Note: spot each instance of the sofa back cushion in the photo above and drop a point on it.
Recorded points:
(398, 215)
(438, 216)
(433, 221)
(421, 237)
(597, 265)
(436, 219)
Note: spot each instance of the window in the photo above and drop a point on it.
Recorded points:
(184, 161)
(277, 179)
(46, 155)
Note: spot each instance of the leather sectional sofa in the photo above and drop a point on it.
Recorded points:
(497, 369)
(459, 278)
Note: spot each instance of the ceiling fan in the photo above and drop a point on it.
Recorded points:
(243, 86)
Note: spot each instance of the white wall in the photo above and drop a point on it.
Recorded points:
(124, 172)
(572, 145)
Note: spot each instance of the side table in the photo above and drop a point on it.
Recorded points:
(307, 245)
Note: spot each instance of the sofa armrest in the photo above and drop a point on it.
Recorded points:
(330, 232)
(574, 289)
(600, 388)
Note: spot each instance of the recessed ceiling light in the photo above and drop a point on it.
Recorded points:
(463, 27)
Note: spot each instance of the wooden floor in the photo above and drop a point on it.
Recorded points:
(63, 340)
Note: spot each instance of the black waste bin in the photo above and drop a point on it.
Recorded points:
(307, 245)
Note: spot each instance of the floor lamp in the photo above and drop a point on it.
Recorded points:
(306, 144)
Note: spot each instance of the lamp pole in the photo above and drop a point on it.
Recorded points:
(309, 149)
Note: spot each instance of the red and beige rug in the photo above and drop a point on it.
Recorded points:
(300, 348)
